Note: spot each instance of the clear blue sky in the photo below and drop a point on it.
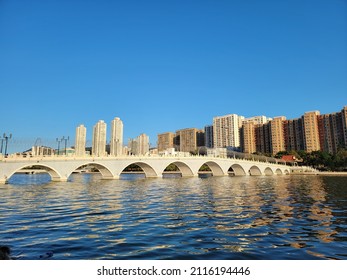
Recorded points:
(166, 65)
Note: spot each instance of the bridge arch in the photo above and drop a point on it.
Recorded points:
(147, 169)
(255, 171)
(268, 171)
(215, 168)
(105, 172)
(184, 168)
(279, 171)
(53, 173)
(238, 170)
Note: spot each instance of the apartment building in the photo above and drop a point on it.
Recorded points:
(80, 141)
(190, 139)
(248, 137)
(226, 131)
(165, 141)
(99, 139)
(116, 142)
(277, 135)
(311, 131)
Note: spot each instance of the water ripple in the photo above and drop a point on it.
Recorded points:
(280, 217)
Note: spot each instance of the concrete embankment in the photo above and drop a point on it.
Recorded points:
(327, 173)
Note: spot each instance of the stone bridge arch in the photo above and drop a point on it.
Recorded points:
(279, 171)
(147, 168)
(215, 168)
(105, 171)
(184, 168)
(268, 171)
(53, 173)
(255, 171)
(238, 169)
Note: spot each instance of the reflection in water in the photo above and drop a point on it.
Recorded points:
(263, 217)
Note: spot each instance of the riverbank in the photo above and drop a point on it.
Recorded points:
(332, 173)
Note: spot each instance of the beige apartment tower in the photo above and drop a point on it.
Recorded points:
(116, 143)
(311, 131)
(277, 135)
(226, 131)
(187, 139)
(165, 141)
(80, 141)
(248, 138)
(99, 139)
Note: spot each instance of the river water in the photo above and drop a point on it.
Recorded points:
(266, 217)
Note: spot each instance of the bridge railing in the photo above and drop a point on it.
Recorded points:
(229, 155)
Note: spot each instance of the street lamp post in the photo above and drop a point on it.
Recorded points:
(6, 141)
(65, 140)
(2, 144)
(58, 140)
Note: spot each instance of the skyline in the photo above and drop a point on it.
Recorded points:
(108, 136)
(166, 66)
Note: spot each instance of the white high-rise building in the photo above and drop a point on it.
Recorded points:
(99, 139)
(226, 131)
(116, 144)
(80, 141)
(258, 120)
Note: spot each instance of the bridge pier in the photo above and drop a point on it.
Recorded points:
(3, 181)
(115, 177)
(59, 179)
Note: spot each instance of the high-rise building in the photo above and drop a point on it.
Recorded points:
(263, 138)
(116, 143)
(294, 135)
(252, 139)
(277, 135)
(248, 137)
(133, 146)
(165, 141)
(344, 125)
(99, 139)
(331, 132)
(226, 131)
(258, 120)
(143, 144)
(190, 139)
(80, 141)
(209, 136)
(311, 131)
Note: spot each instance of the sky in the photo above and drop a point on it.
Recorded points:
(165, 65)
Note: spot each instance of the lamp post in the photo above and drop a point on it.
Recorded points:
(6, 141)
(65, 139)
(58, 140)
(2, 144)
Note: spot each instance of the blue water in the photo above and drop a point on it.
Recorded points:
(275, 217)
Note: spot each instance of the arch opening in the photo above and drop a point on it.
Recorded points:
(236, 170)
(172, 171)
(138, 170)
(93, 167)
(279, 171)
(177, 169)
(268, 171)
(255, 171)
(210, 168)
(38, 173)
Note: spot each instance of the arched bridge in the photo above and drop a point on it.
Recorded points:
(60, 168)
